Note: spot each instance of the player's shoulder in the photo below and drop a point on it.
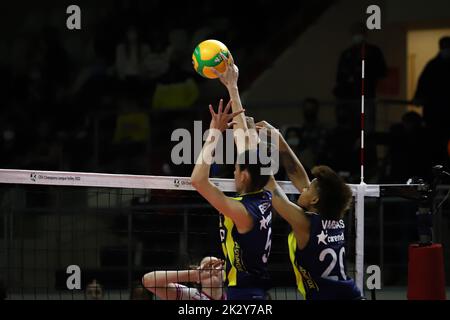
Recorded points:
(315, 220)
(260, 195)
(266, 194)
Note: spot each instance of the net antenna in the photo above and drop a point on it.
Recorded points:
(361, 191)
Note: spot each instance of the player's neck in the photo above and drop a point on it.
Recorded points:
(242, 191)
(311, 208)
(247, 192)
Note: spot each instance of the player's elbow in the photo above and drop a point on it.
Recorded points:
(149, 281)
(197, 181)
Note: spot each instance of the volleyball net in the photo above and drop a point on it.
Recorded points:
(115, 228)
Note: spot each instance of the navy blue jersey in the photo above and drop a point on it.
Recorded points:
(320, 267)
(246, 255)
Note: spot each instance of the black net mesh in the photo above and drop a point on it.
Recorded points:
(116, 235)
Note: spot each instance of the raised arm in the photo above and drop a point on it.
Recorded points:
(230, 79)
(289, 211)
(295, 170)
(200, 175)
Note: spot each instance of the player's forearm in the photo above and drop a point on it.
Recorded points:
(236, 105)
(290, 212)
(294, 168)
(279, 199)
(200, 173)
(240, 129)
(158, 279)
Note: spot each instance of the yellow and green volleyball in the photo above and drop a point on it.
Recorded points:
(206, 56)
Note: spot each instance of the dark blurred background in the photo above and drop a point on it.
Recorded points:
(107, 98)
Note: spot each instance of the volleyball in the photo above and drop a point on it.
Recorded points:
(207, 56)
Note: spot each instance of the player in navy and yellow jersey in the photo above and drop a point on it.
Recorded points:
(246, 254)
(245, 226)
(317, 240)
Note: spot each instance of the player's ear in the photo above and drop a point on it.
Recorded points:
(245, 176)
(315, 200)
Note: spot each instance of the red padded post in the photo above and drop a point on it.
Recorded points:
(426, 278)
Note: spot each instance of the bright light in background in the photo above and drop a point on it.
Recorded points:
(422, 46)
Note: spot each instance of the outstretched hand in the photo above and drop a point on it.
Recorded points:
(230, 77)
(222, 119)
(250, 122)
(264, 124)
(212, 264)
(213, 267)
(269, 128)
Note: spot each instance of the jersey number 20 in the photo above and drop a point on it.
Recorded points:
(326, 273)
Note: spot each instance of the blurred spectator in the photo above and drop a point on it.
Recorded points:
(94, 77)
(94, 291)
(44, 150)
(177, 88)
(106, 33)
(342, 145)
(348, 79)
(292, 136)
(132, 124)
(408, 149)
(434, 94)
(130, 55)
(312, 135)
(44, 85)
(131, 137)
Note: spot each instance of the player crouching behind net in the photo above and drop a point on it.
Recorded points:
(209, 275)
(316, 243)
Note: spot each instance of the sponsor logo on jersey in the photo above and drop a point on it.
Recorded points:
(307, 279)
(337, 238)
(237, 258)
(332, 224)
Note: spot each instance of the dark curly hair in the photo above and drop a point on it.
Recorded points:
(257, 180)
(335, 196)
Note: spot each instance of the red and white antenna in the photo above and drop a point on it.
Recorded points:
(363, 53)
(359, 276)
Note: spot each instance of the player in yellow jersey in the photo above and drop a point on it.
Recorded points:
(246, 220)
(317, 240)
